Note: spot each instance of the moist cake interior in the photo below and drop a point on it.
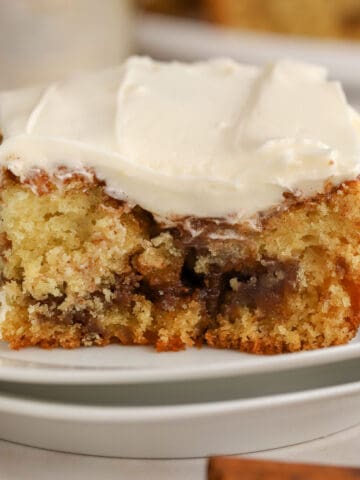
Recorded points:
(81, 268)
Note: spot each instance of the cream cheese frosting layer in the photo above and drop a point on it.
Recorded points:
(209, 139)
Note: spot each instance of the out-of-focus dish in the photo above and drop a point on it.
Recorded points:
(169, 37)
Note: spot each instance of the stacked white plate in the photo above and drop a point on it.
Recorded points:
(133, 402)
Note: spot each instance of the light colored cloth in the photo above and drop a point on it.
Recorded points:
(22, 463)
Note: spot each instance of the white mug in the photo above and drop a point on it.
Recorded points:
(43, 40)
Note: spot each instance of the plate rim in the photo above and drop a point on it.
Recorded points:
(104, 376)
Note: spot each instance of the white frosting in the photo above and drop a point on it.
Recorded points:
(209, 139)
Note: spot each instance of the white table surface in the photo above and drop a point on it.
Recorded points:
(19, 462)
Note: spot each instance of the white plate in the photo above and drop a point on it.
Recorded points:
(169, 38)
(118, 364)
(174, 431)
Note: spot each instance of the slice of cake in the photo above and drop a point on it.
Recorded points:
(320, 18)
(181, 204)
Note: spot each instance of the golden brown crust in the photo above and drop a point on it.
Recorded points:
(81, 268)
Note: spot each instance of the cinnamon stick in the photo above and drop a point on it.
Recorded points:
(224, 468)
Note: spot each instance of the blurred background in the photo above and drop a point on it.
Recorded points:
(43, 40)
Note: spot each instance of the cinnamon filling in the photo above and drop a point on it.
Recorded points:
(259, 285)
